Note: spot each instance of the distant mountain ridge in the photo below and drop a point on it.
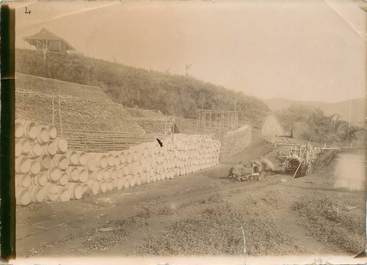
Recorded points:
(352, 110)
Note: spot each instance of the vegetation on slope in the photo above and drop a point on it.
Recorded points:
(313, 125)
(133, 87)
(351, 110)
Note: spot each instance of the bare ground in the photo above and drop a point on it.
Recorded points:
(202, 214)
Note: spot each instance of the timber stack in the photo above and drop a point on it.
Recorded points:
(46, 170)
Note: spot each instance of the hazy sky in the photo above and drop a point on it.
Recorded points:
(305, 50)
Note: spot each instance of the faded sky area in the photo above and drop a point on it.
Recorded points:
(304, 50)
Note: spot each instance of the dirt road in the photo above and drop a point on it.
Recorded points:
(202, 213)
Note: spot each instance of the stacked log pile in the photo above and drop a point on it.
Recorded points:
(47, 171)
(41, 162)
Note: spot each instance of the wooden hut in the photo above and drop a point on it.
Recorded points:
(47, 41)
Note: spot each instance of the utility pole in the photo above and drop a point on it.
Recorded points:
(187, 68)
(235, 114)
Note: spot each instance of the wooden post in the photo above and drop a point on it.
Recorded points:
(226, 121)
(212, 119)
(222, 121)
(60, 121)
(232, 120)
(237, 124)
(198, 123)
(204, 120)
(53, 110)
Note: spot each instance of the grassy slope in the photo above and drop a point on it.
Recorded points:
(81, 107)
(173, 94)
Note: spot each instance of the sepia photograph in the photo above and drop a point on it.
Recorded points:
(190, 128)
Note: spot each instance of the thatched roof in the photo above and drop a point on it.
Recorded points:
(45, 35)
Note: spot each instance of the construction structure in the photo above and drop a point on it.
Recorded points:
(217, 120)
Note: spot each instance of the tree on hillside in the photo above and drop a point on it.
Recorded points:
(313, 125)
(171, 94)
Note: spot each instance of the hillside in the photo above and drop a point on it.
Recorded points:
(312, 124)
(353, 110)
(42, 85)
(171, 94)
(137, 113)
(82, 107)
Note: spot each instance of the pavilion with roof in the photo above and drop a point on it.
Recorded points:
(47, 41)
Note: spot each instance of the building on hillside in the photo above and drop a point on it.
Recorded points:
(47, 41)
